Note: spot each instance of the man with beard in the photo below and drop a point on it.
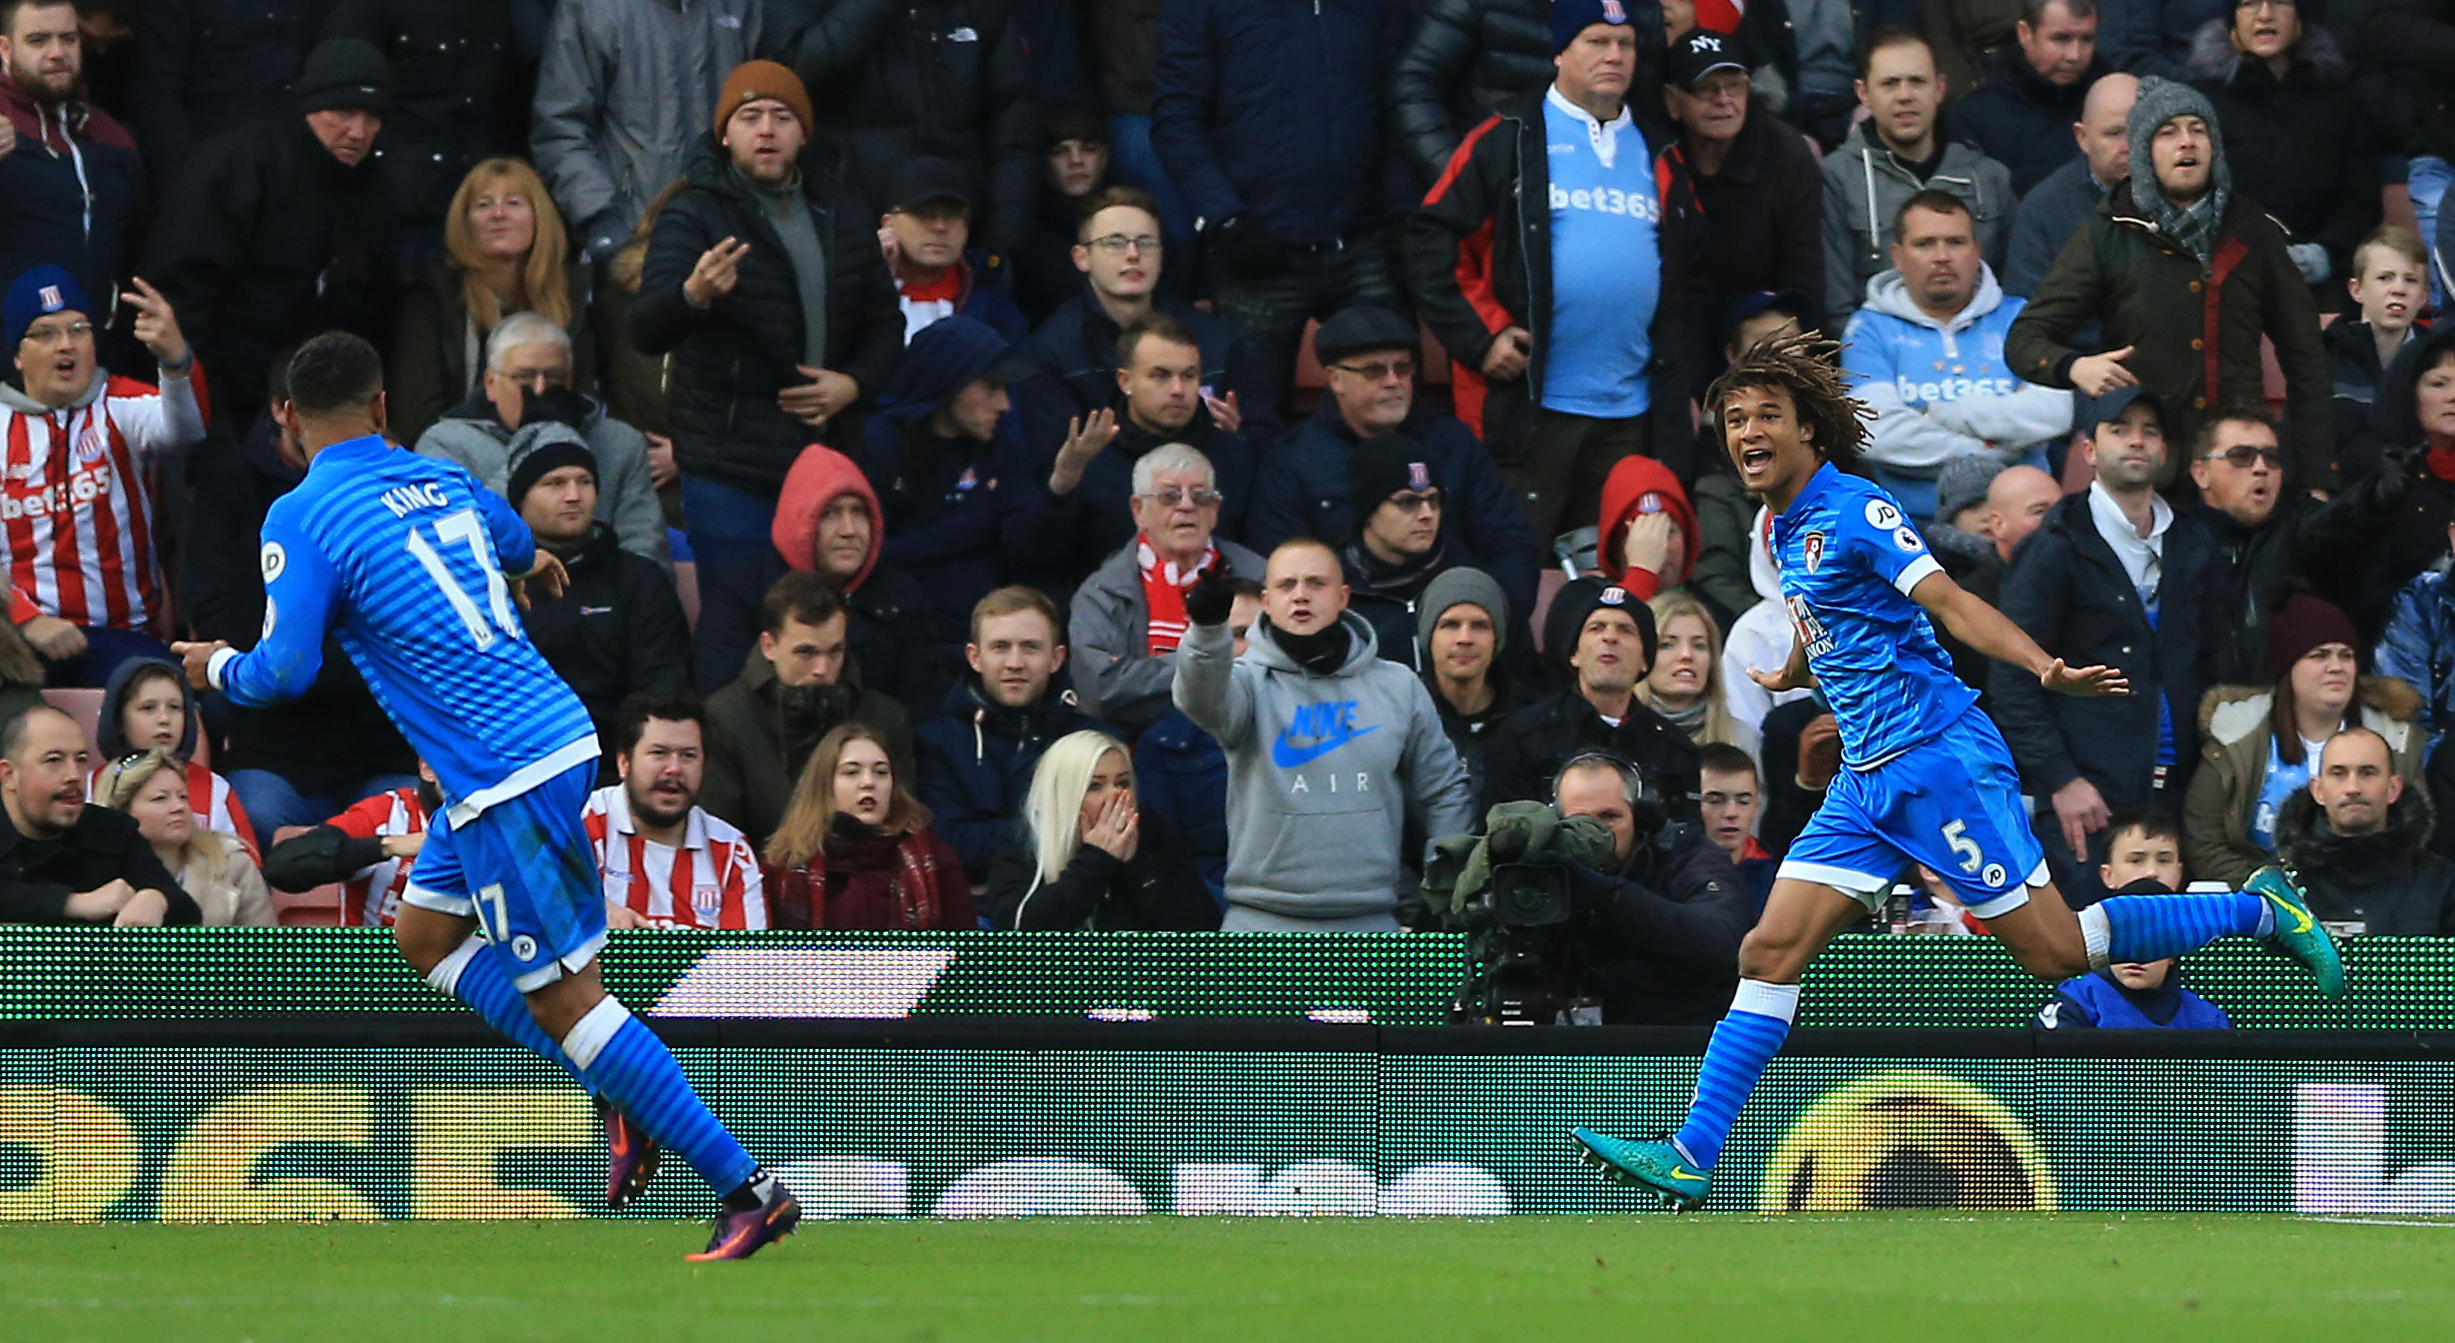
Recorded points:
(368, 848)
(2112, 577)
(665, 862)
(62, 861)
(70, 182)
(2359, 838)
(1602, 636)
(762, 728)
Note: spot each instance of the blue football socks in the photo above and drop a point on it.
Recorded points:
(472, 975)
(2136, 929)
(632, 1068)
(1745, 1041)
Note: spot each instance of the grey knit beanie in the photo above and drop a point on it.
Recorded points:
(1462, 586)
(1964, 481)
(2160, 101)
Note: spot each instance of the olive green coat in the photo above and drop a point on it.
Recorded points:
(2234, 731)
(2143, 289)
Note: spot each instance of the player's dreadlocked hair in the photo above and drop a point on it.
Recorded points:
(1808, 367)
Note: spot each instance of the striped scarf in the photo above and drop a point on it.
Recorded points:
(1163, 592)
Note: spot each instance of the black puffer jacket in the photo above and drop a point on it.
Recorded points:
(2327, 547)
(2390, 882)
(1467, 58)
(272, 241)
(731, 358)
(890, 80)
(2301, 145)
(1159, 889)
(447, 60)
(204, 66)
(2413, 534)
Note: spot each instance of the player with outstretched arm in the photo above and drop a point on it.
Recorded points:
(399, 558)
(1927, 777)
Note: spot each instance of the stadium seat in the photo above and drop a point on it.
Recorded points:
(317, 908)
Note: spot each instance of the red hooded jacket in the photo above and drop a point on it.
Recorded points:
(1636, 486)
(818, 476)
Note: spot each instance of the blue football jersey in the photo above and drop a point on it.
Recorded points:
(1848, 558)
(399, 557)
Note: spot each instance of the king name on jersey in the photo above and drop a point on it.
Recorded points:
(404, 500)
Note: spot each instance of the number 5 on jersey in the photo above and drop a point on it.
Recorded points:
(1956, 834)
(466, 528)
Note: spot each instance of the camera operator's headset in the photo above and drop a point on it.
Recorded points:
(1645, 809)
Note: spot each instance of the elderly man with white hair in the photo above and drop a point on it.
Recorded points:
(526, 399)
(1130, 614)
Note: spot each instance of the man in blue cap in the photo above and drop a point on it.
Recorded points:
(85, 569)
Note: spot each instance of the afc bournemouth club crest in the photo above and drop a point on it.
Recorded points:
(1812, 546)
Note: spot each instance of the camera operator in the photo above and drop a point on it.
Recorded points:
(1668, 915)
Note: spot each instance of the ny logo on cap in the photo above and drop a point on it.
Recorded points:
(1614, 12)
(1419, 477)
(52, 302)
(1705, 42)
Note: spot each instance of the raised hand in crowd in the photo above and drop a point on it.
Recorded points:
(1117, 830)
(1086, 437)
(719, 268)
(157, 324)
(1223, 411)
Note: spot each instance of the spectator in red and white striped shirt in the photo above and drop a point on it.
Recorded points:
(85, 571)
(665, 862)
(369, 849)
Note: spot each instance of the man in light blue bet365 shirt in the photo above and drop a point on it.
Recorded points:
(1538, 261)
(401, 559)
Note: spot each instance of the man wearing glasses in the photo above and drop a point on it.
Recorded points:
(526, 400)
(1369, 355)
(84, 564)
(1129, 617)
(1539, 261)
(2269, 539)
(1119, 251)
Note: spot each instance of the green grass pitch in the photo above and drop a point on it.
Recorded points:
(1894, 1277)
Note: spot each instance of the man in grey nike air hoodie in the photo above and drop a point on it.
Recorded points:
(1326, 763)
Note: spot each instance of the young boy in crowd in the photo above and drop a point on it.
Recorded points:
(2390, 282)
(2144, 854)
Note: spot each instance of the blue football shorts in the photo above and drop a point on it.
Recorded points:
(1951, 802)
(525, 869)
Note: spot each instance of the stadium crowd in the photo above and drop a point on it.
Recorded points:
(1134, 465)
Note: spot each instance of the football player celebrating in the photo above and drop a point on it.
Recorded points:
(1926, 778)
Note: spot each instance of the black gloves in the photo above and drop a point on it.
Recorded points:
(1589, 891)
(559, 405)
(1246, 250)
(1212, 595)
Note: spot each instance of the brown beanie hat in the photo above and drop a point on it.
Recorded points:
(752, 80)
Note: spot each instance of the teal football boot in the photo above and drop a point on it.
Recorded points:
(1657, 1166)
(2298, 934)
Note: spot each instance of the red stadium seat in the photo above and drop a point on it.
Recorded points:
(86, 707)
(318, 908)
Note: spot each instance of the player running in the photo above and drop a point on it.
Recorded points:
(399, 557)
(1928, 779)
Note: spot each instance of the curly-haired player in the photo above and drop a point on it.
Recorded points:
(1927, 778)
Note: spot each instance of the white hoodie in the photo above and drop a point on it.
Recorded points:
(1761, 637)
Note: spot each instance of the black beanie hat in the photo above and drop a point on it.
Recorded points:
(1576, 601)
(343, 72)
(551, 455)
(1381, 467)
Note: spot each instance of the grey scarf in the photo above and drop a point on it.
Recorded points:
(2194, 225)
